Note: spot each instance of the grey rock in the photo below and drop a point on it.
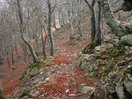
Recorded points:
(128, 85)
(126, 40)
(119, 90)
(89, 57)
(85, 89)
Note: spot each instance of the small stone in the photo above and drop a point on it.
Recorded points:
(47, 79)
(67, 90)
(41, 73)
(110, 45)
(72, 95)
(98, 48)
(128, 85)
(85, 89)
(89, 57)
(111, 74)
(126, 47)
(41, 90)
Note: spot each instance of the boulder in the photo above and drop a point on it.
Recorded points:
(85, 89)
(119, 90)
(128, 85)
(89, 57)
(126, 40)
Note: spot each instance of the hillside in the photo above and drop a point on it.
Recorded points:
(73, 66)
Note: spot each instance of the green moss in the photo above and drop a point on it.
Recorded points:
(33, 70)
(113, 52)
(105, 70)
(80, 62)
(128, 71)
(116, 51)
(126, 40)
(72, 37)
(88, 49)
(37, 64)
(92, 73)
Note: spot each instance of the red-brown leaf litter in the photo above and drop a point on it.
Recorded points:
(10, 77)
(64, 79)
(61, 58)
(64, 84)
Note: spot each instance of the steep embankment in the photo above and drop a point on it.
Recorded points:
(10, 75)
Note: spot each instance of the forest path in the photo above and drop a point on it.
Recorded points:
(65, 78)
(62, 80)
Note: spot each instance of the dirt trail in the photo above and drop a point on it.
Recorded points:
(64, 78)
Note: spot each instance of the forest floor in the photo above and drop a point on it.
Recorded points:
(10, 75)
(61, 80)
(64, 78)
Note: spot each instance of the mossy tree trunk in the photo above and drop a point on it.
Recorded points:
(91, 46)
(26, 40)
(99, 29)
(0, 58)
(50, 11)
(44, 38)
(1, 92)
(95, 28)
(116, 27)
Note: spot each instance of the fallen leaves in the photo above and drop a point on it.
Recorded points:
(61, 58)
(64, 84)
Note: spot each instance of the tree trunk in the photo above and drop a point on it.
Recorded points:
(7, 53)
(121, 30)
(99, 30)
(54, 22)
(16, 50)
(79, 29)
(1, 92)
(89, 48)
(26, 41)
(72, 21)
(116, 27)
(12, 50)
(25, 52)
(12, 56)
(60, 18)
(1, 59)
(93, 22)
(44, 43)
(79, 19)
(51, 44)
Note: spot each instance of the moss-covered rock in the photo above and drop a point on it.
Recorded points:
(36, 69)
(126, 40)
(88, 49)
(128, 85)
(128, 71)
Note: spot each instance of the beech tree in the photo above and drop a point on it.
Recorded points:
(95, 25)
(26, 40)
(50, 11)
